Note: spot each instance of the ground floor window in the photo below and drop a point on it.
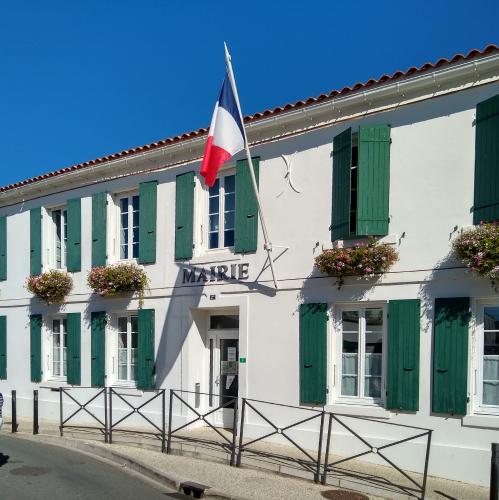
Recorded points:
(488, 359)
(127, 348)
(58, 345)
(360, 354)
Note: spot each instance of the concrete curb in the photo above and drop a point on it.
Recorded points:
(169, 480)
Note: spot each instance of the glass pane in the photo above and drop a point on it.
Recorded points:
(229, 220)
(350, 321)
(135, 250)
(122, 372)
(230, 202)
(56, 342)
(133, 339)
(229, 238)
(122, 322)
(56, 326)
(491, 318)
(213, 240)
(122, 339)
(372, 387)
(224, 322)
(214, 222)
(374, 320)
(134, 323)
(64, 364)
(491, 367)
(136, 203)
(213, 208)
(122, 356)
(135, 235)
(215, 189)
(230, 183)
(491, 343)
(124, 205)
(124, 220)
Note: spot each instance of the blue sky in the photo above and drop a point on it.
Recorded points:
(81, 79)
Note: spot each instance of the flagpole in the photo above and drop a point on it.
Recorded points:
(268, 244)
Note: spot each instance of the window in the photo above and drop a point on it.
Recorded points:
(127, 348)
(361, 349)
(129, 207)
(58, 345)
(58, 235)
(487, 350)
(221, 212)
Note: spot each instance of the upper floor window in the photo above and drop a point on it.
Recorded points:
(361, 353)
(58, 345)
(58, 238)
(129, 207)
(221, 212)
(487, 361)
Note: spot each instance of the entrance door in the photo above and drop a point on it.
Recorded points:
(223, 342)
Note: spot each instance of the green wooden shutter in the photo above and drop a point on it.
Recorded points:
(3, 248)
(98, 348)
(35, 236)
(402, 380)
(147, 222)
(99, 229)
(313, 354)
(450, 355)
(73, 351)
(3, 347)
(145, 355)
(486, 204)
(184, 215)
(373, 181)
(74, 235)
(35, 331)
(342, 163)
(246, 238)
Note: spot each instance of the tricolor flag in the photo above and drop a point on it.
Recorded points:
(226, 135)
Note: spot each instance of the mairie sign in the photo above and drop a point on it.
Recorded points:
(233, 272)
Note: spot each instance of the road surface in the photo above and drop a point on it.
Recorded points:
(34, 470)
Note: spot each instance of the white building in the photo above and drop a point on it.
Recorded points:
(211, 289)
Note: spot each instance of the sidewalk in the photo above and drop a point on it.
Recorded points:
(256, 479)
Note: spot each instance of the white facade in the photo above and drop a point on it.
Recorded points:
(431, 193)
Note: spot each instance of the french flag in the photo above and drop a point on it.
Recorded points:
(226, 135)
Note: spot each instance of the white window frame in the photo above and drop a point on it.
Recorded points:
(112, 360)
(204, 218)
(477, 345)
(336, 355)
(115, 226)
(49, 232)
(47, 349)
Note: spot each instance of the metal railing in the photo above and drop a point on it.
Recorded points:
(415, 487)
(137, 410)
(311, 463)
(83, 408)
(228, 403)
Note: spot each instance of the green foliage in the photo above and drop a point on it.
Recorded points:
(119, 278)
(478, 249)
(362, 260)
(52, 287)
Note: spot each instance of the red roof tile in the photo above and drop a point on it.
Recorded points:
(263, 114)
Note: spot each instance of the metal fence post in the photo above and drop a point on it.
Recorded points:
(14, 411)
(163, 418)
(494, 472)
(241, 429)
(317, 474)
(170, 412)
(61, 413)
(234, 434)
(110, 433)
(326, 455)
(105, 416)
(35, 412)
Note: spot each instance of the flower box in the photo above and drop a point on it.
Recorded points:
(52, 287)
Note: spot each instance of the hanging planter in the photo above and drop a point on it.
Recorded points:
(362, 260)
(51, 287)
(478, 249)
(117, 279)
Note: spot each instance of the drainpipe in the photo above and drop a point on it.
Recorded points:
(494, 472)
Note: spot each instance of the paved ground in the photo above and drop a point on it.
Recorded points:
(37, 470)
